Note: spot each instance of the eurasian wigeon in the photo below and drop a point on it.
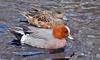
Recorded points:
(44, 18)
(46, 38)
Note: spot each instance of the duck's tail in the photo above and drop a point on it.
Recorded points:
(24, 13)
(28, 11)
(28, 14)
(20, 31)
(17, 32)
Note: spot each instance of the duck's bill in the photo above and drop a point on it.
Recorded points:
(70, 37)
(65, 18)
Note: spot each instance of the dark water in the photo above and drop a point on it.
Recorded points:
(83, 18)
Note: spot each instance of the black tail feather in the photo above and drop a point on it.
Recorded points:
(15, 42)
(17, 35)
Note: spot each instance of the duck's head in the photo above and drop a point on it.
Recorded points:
(58, 13)
(61, 31)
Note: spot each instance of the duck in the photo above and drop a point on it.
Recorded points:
(45, 38)
(44, 18)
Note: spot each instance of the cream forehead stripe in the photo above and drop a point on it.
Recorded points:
(68, 29)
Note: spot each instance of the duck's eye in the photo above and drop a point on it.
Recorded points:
(66, 31)
(36, 10)
(59, 12)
